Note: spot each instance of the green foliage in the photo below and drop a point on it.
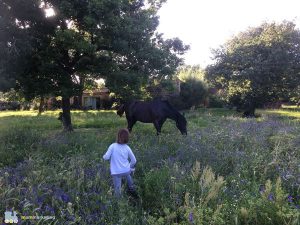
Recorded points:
(6, 83)
(16, 145)
(11, 95)
(271, 207)
(156, 189)
(162, 87)
(193, 92)
(206, 188)
(193, 88)
(216, 102)
(258, 66)
(191, 72)
(87, 39)
(127, 85)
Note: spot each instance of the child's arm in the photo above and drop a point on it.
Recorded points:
(132, 158)
(107, 155)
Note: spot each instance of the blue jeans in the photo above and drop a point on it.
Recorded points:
(117, 179)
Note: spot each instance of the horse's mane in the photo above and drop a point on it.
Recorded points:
(175, 111)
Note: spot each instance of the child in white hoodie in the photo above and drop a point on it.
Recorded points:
(118, 153)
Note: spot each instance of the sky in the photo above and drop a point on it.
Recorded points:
(207, 24)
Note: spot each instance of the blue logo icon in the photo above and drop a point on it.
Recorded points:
(10, 217)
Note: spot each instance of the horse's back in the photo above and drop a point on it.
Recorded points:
(148, 112)
(140, 111)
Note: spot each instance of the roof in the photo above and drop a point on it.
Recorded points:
(96, 92)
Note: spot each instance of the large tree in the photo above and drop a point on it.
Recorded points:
(55, 53)
(257, 66)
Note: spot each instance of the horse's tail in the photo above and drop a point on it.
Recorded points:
(121, 110)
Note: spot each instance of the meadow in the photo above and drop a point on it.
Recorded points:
(227, 170)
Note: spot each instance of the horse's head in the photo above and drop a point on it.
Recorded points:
(181, 124)
(121, 110)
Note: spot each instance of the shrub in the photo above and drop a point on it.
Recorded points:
(272, 207)
(200, 206)
(156, 189)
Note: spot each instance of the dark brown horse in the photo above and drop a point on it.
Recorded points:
(155, 112)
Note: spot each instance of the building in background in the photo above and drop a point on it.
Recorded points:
(95, 99)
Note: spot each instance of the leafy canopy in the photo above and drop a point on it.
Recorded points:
(193, 87)
(82, 40)
(259, 65)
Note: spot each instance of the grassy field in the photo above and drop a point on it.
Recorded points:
(227, 170)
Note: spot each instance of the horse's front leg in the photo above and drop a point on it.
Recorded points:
(130, 124)
(157, 127)
(158, 124)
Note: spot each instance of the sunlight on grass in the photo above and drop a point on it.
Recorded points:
(290, 107)
(18, 113)
(285, 113)
(53, 113)
(27, 113)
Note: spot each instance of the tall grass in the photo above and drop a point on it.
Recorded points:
(228, 170)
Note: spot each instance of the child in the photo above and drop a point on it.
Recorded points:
(118, 153)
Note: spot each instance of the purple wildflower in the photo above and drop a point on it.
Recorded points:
(60, 194)
(271, 197)
(71, 217)
(90, 173)
(290, 199)
(65, 197)
(191, 217)
(40, 200)
(49, 209)
(103, 207)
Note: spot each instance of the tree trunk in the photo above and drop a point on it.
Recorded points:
(42, 104)
(249, 112)
(65, 115)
